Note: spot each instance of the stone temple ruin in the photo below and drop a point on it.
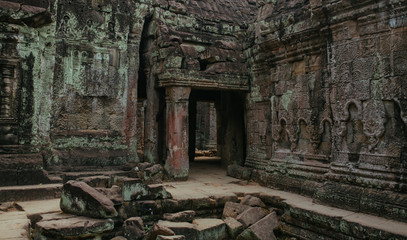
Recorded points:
(304, 101)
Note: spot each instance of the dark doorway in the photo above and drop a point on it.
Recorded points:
(216, 127)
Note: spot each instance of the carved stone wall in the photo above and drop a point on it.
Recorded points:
(326, 109)
(9, 101)
(323, 83)
(24, 42)
(82, 64)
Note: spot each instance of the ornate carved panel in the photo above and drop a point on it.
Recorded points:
(9, 101)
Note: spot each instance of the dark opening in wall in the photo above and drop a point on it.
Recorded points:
(143, 61)
(203, 126)
(203, 64)
(216, 126)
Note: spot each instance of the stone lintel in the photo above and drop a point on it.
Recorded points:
(176, 77)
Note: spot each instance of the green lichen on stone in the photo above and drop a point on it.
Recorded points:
(286, 99)
(134, 191)
(272, 99)
(38, 45)
(173, 62)
(110, 143)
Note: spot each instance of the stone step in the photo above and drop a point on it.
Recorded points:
(305, 219)
(66, 176)
(30, 192)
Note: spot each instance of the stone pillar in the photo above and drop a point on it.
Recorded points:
(177, 162)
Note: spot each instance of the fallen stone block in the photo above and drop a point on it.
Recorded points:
(175, 237)
(140, 208)
(114, 194)
(181, 228)
(81, 199)
(133, 228)
(234, 227)
(233, 209)
(157, 191)
(133, 187)
(136, 189)
(221, 200)
(73, 228)
(251, 216)
(184, 216)
(252, 201)
(159, 230)
(154, 174)
(263, 229)
(210, 228)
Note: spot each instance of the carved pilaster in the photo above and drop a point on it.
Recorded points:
(9, 101)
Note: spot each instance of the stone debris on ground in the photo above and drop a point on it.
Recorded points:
(72, 227)
(233, 226)
(114, 194)
(133, 228)
(159, 230)
(252, 201)
(233, 209)
(251, 215)
(184, 216)
(81, 199)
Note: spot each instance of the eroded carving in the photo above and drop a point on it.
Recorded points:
(373, 123)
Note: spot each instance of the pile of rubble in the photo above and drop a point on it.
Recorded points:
(93, 207)
(125, 207)
(247, 220)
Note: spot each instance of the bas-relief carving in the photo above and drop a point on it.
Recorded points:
(369, 132)
(92, 72)
(300, 137)
(373, 123)
(349, 130)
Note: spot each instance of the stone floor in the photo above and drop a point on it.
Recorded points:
(207, 180)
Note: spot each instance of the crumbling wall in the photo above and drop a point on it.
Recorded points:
(26, 73)
(75, 68)
(326, 107)
(95, 85)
